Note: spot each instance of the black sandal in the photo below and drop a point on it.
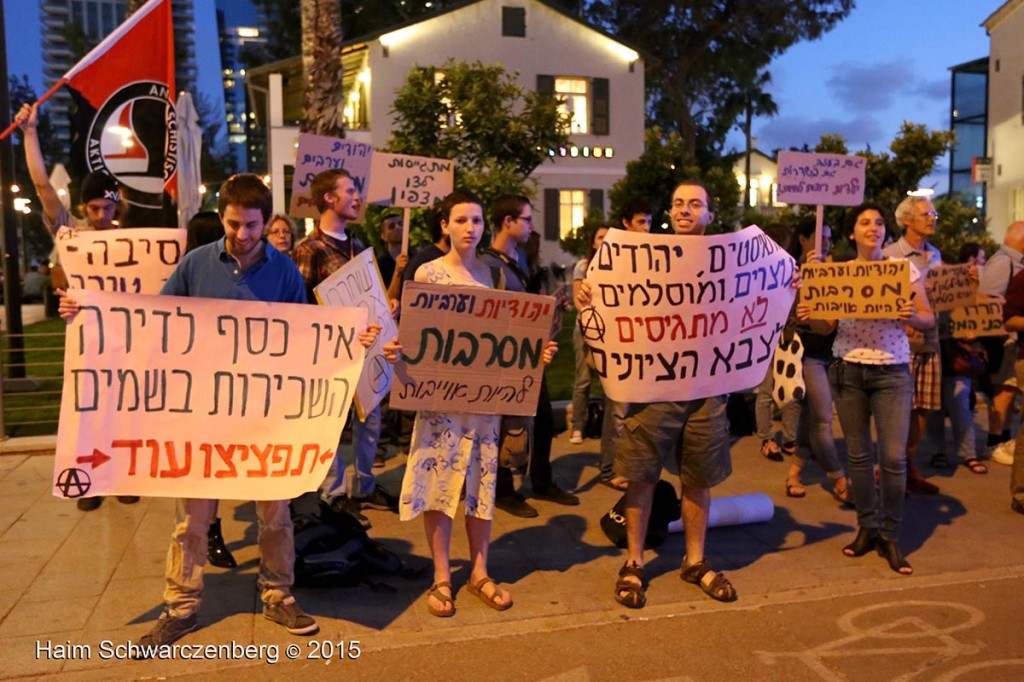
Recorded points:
(629, 593)
(975, 465)
(939, 461)
(866, 540)
(890, 551)
(719, 588)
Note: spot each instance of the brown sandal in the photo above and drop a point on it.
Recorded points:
(477, 589)
(842, 495)
(435, 592)
(628, 592)
(719, 588)
(794, 488)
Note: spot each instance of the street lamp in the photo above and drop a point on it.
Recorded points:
(23, 206)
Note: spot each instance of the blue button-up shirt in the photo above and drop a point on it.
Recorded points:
(211, 272)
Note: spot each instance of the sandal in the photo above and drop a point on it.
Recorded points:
(445, 599)
(939, 461)
(770, 450)
(477, 589)
(794, 488)
(615, 483)
(718, 588)
(842, 494)
(789, 449)
(890, 551)
(975, 465)
(628, 592)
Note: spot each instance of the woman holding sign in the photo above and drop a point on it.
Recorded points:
(452, 450)
(870, 377)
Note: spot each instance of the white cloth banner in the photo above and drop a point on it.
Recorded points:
(206, 398)
(685, 317)
(358, 284)
(137, 260)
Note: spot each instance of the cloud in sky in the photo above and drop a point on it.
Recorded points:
(870, 87)
(783, 132)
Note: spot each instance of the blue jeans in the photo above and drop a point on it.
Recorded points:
(764, 406)
(956, 400)
(365, 436)
(814, 433)
(581, 384)
(886, 393)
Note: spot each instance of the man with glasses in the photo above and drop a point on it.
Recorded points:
(918, 217)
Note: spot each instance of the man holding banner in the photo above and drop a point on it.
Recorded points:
(328, 248)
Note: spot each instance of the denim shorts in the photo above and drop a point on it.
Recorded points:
(695, 432)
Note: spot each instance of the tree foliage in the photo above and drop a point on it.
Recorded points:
(705, 58)
(323, 99)
(666, 161)
(38, 242)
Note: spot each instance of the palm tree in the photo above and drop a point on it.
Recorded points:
(323, 97)
(756, 102)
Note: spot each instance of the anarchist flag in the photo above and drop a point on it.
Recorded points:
(124, 121)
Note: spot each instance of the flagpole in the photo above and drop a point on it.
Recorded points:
(47, 95)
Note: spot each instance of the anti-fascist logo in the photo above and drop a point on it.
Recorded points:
(134, 138)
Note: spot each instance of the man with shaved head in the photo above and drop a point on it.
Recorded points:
(995, 280)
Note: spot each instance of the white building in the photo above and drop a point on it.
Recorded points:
(601, 79)
(1005, 193)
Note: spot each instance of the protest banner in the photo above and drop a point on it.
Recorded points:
(357, 284)
(136, 261)
(855, 289)
(950, 287)
(828, 179)
(173, 396)
(408, 181)
(471, 350)
(685, 317)
(317, 153)
(982, 318)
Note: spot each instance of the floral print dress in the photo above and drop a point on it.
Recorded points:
(450, 449)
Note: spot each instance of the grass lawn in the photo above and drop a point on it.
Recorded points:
(34, 412)
(562, 372)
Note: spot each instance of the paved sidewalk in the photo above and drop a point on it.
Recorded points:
(804, 612)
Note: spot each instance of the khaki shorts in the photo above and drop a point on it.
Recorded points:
(695, 432)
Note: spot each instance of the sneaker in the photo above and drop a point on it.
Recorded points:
(918, 484)
(288, 615)
(1003, 453)
(380, 498)
(516, 505)
(343, 505)
(576, 438)
(127, 499)
(169, 628)
(552, 493)
(89, 503)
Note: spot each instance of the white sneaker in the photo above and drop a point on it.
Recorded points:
(1003, 453)
(576, 438)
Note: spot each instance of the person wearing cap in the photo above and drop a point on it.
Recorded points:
(100, 195)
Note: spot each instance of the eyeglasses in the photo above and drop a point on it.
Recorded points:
(694, 204)
(929, 214)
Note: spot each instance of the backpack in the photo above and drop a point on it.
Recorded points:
(332, 550)
(739, 411)
(595, 418)
(664, 510)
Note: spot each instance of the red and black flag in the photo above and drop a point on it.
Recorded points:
(125, 122)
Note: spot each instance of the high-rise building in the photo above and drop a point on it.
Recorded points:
(70, 27)
(236, 30)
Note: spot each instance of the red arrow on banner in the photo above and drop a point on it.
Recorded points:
(95, 459)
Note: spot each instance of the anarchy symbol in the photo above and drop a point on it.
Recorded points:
(592, 325)
(381, 372)
(73, 483)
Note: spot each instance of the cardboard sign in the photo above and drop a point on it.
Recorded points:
(856, 289)
(829, 179)
(173, 396)
(137, 260)
(685, 317)
(471, 350)
(357, 284)
(983, 318)
(317, 153)
(950, 287)
(409, 181)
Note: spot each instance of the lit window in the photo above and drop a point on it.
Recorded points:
(571, 210)
(574, 93)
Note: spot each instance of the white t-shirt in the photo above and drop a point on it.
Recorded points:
(874, 342)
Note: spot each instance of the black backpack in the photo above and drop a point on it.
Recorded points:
(664, 510)
(595, 418)
(332, 549)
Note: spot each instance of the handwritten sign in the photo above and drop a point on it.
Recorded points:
(950, 287)
(856, 289)
(685, 317)
(471, 349)
(137, 261)
(317, 153)
(829, 179)
(983, 318)
(409, 181)
(357, 284)
(189, 397)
